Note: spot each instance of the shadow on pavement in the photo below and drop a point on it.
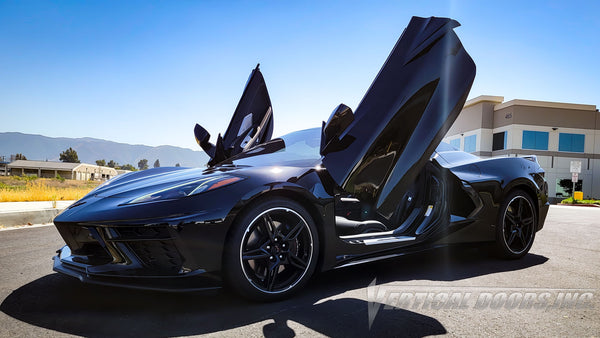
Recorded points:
(64, 304)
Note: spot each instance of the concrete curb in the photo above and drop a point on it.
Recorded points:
(27, 213)
(17, 227)
(12, 218)
(579, 205)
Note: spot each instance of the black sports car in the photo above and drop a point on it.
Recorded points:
(267, 213)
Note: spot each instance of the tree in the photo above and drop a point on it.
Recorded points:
(143, 164)
(567, 185)
(69, 156)
(177, 165)
(156, 163)
(112, 164)
(101, 162)
(20, 156)
(127, 167)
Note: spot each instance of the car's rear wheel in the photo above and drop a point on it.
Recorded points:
(516, 225)
(272, 250)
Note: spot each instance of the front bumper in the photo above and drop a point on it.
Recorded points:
(184, 257)
(196, 280)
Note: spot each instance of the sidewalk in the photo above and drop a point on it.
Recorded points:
(27, 213)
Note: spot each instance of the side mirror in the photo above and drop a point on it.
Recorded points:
(215, 152)
(202, 137)
(333, 129)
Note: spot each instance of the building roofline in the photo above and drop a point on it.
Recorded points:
(498, 100)
(77, 166)
(545, 104)
(483, 98)
(52, 165)
(93, 166)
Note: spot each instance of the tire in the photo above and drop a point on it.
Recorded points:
(517, 223)
(272, 250)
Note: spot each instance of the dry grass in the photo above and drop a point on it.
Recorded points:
(23, 189)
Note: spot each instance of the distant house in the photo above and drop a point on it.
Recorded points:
(74, 171)
(3, 166)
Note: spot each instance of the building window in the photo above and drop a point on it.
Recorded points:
(571, 142)
(499, 141)
(470, 143)
(455, 143)
(537, 140)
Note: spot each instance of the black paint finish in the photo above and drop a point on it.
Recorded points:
(376, 183)
(251, 124)
(414, 100)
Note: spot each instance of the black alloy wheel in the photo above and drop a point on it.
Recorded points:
(516, 225)
(273, 250)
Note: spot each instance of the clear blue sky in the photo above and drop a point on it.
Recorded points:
(145, 72)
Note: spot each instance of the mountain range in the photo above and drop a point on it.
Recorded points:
(42, 148)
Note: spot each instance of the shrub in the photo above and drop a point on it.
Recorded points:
(588, 201)
(26, 178)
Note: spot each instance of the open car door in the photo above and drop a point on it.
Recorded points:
(251, 124)
(375, 153)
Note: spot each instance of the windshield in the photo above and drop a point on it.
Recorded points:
(300, 148)
(450, 156)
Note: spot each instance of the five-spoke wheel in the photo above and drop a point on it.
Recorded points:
(274, 249)
(516, 225)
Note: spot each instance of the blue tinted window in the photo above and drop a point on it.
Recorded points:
(571, 142)
(455, 143)
(470, 143)
(535, 140)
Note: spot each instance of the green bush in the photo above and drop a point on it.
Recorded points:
(588, 201)
(567, 201)
(26, 178)
(7, 187)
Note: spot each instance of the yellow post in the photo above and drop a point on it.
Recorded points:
(578, 195)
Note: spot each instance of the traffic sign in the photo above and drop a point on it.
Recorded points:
(576, 166)
(574, 177)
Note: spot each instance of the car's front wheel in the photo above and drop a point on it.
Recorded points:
(516, 225)
(272, 250)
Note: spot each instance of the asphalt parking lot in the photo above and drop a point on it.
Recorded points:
(553, 291)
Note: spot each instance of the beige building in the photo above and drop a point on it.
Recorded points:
(557, 133)
(74, 171)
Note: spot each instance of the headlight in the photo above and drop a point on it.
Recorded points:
(188, 188)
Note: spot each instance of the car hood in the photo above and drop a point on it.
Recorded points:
(123, 199)
(111, 201)
(140, 182)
